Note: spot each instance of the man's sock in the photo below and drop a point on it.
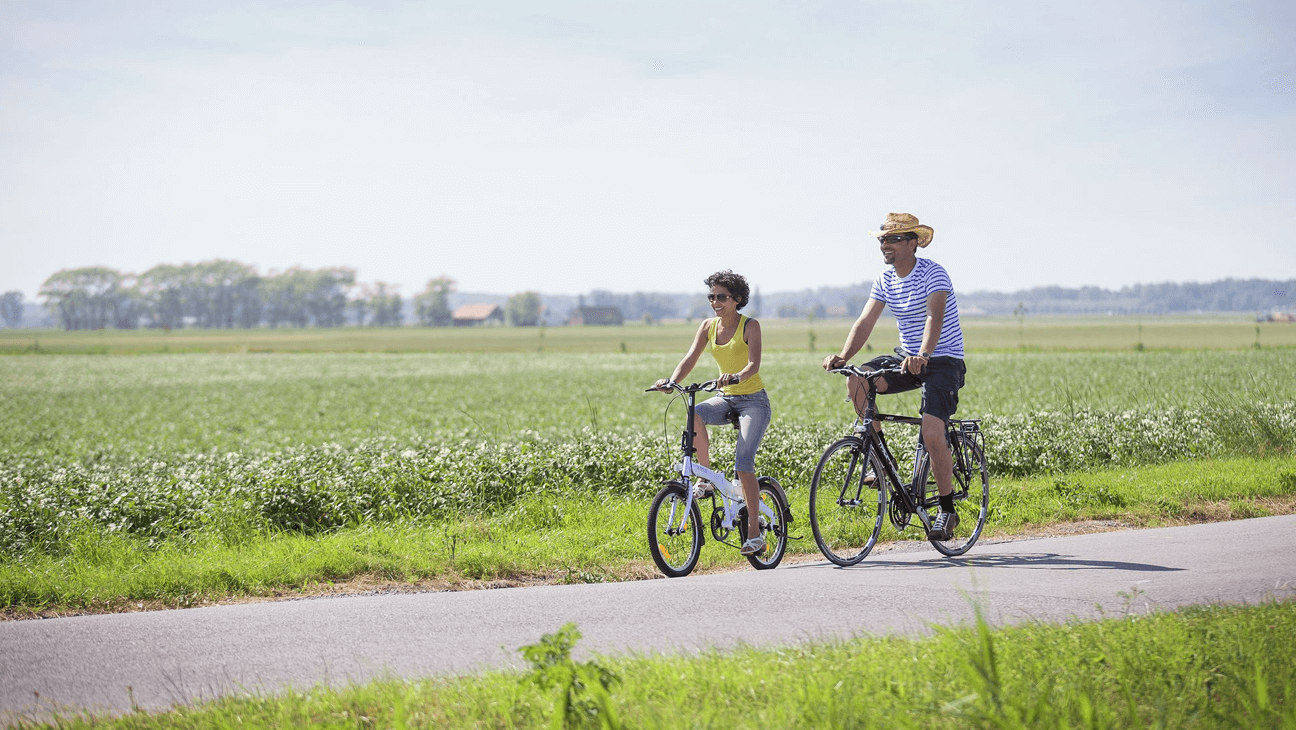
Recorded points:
(947, 502)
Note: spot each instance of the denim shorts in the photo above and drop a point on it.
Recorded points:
(753, 412)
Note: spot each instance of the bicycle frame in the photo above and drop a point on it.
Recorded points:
(731, 496)
(874, 442)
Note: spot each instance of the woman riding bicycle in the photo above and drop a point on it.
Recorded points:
(735, 342)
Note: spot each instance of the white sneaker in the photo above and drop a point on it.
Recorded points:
(753, 545)
(703, 489)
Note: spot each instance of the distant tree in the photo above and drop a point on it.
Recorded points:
(11, 308)
(385, 304)
(789, 310)
(432, 305)
(523, 310)
(755, 309)
(360, 306)
(85, 298)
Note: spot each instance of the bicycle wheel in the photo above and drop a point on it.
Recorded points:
(847, 501)
(773, 529)
(675, 542)
(971, 494)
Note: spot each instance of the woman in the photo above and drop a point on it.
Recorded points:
(735, 342)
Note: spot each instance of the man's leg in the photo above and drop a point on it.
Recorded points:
(942, 463)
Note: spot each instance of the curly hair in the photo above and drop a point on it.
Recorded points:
(735, 283)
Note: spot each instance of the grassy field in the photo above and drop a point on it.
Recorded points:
(179, 479)
(1212, 667)
(255, 465)
(822, 336)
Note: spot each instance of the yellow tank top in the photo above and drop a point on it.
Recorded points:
(732, 357)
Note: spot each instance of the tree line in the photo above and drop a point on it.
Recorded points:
(229, 294)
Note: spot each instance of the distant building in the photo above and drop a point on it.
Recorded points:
(470, 315)
(1277, 317)
(596, 315)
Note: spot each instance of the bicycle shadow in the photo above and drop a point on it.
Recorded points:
(1029, 561)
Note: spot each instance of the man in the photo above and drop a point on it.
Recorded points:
(921, 297)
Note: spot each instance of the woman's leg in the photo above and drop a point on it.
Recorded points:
(751, 494)
(701, 441)
(753, 418)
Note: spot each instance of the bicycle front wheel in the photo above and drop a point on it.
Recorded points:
(847, 501)
(674, 535)
(971, 495)
(773, 527)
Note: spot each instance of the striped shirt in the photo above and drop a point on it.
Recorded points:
(907, 298)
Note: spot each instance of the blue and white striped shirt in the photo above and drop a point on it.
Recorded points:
(907, 298)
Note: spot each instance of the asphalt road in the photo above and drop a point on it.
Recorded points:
(166, 657)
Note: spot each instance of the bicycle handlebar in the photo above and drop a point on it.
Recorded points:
(869, 374)
(709, 386)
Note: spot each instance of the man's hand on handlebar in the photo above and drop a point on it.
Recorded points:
(914, 364)
(832, 362)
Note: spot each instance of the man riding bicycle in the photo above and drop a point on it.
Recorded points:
(921, 297)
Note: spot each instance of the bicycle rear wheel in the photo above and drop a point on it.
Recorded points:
(773, 529)
(971, 494)
(675, 542)
(848, 501)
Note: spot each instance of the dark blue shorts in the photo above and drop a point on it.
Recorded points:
(940, 382)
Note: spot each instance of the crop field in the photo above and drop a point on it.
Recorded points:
(1056, 333)
(183, 477)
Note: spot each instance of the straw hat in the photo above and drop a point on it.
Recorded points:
(905, 223)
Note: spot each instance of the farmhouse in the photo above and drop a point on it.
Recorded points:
(596, 315)
(470, 315)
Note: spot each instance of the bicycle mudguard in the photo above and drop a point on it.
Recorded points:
(778, 488)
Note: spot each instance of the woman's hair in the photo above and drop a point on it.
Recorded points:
(735, 283)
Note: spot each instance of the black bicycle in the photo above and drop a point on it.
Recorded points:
(857, 482)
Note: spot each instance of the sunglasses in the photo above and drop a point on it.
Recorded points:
(718, 297)
(894, 239)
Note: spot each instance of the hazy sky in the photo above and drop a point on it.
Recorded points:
(569, 146)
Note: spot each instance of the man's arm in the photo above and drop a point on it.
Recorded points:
(931, 332)
(859, 334)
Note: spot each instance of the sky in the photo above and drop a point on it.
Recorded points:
(564, 147)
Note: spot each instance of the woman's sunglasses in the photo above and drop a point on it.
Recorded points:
(718, 297)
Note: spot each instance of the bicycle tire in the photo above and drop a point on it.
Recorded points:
(971, 494)
(846, 513)
(675, 552)
(775, 531)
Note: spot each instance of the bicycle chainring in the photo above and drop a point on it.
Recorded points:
(899, 515)
(718, 530)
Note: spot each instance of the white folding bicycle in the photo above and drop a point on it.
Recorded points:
(675, 519)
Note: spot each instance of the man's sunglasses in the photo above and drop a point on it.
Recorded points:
(895, 239)
(718, 297)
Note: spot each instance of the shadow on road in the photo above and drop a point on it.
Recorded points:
(1048, 561)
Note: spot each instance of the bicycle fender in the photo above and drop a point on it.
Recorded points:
(778, 489)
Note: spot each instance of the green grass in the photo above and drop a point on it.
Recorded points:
(1053, 333)
(95, 409)
(164, 477)
(564, 537)
(1207, 667)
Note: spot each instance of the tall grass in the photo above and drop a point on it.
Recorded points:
(1209, 667)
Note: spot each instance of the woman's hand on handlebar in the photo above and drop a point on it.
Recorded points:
(662, 384)
(728, 379)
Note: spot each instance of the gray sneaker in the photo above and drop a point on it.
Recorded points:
(943, 526)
